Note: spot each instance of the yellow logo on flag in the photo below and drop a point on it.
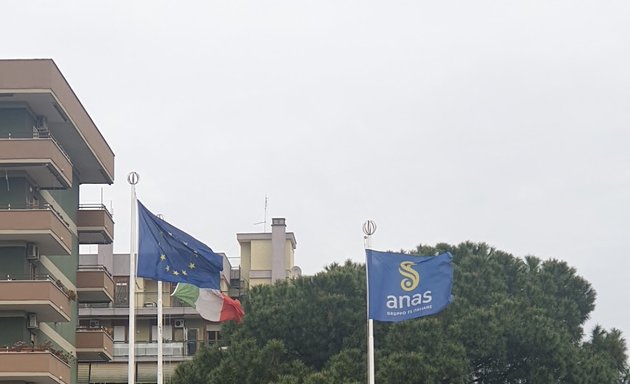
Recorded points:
(411, 276)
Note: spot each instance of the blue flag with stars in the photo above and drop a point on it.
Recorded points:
(168, 254)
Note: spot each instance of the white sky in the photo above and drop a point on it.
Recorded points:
(498, 121)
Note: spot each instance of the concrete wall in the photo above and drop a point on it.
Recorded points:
(16, 121)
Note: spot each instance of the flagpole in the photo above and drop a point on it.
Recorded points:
(133, 179)
(159, 335)
(369, 227)
(160, 329)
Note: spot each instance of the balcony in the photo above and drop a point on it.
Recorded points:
(41, 367)
(95, 224)
(42, 297)
(40, 85)
(41, 158)
(40, 225)
(94, 284)
(94, 344)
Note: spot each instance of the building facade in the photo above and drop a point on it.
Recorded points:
(49, 146)
(63, 316)
(184, 330)
(267, 257)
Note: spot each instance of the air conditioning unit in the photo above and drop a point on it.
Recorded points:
(179, 323)
(95, 324)
(31, 321)
(32, 252)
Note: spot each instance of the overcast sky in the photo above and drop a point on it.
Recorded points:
(499, 121)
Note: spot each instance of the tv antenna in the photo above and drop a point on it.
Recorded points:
(264, 222)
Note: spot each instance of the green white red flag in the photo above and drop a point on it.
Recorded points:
(211, 304)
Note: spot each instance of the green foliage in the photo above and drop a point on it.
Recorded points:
(314, 316)
(512, 321)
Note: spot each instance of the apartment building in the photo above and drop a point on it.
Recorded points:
(184, 330)
(267, 257)
(49, 146)
(64, 316)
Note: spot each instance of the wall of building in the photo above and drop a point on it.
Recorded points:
(14, 264)
(20, 194)
(260, 255)
(16, 121)
(149, 293)
(13, 330)
(14, 192)
(66, 202)
(246, 256)
(290, 254)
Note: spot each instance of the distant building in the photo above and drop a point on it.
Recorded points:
(268, 257)
(184, 330)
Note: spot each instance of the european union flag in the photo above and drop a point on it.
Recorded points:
(168, 254)
(403, 287)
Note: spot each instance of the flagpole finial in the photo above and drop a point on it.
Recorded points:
(133, 178)
(369, 227)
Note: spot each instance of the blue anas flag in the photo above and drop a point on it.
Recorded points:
(403, 287)
(168, 254)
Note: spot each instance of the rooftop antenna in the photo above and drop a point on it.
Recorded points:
(264, 222)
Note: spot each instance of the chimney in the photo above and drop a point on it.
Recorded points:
(278, 253)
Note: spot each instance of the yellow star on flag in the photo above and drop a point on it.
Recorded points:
(162, 257)
(175, 273)
(191, 265)
(184, 273)
(168, 268)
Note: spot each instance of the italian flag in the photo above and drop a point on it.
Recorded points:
(211, 304)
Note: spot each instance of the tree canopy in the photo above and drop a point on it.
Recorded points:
(513, 320)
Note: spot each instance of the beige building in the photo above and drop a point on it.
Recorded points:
(184, 331)
(263, 257)
(268, 257)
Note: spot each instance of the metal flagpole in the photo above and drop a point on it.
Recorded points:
(369, 227)
(133, 179)
(160, 311)
(159, 334)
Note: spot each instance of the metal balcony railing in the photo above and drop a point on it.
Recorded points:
(28, 206)
(170, 349)
(45, 135)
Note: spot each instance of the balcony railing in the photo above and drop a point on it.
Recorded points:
(95, 224)
(37, 223)
(33, 367)
(41, 158)
(170, 349)
(94, 284)
(45, 298)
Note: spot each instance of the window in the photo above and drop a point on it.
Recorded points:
(121, 291)
(213, 337)
(120, 333)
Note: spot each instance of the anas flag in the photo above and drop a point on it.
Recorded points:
(403, 287)
(168, 254)
(211, 304)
